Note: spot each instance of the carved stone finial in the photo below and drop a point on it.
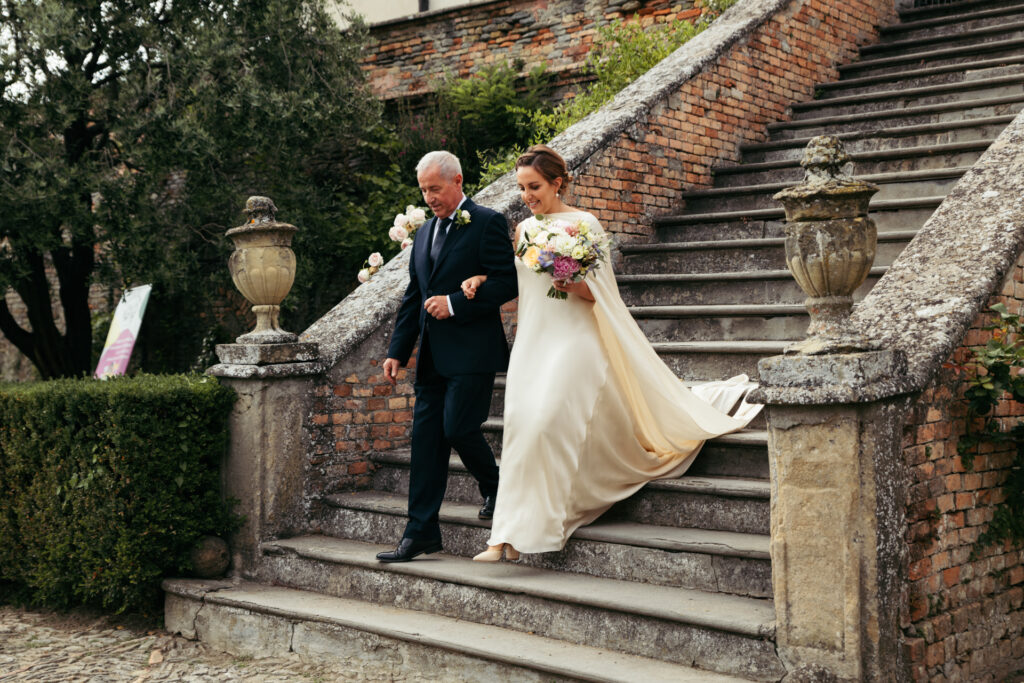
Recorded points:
(830, 245)
(824, 158)
(260, 210)
(263, 268)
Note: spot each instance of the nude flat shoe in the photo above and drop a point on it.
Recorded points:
(494, 553)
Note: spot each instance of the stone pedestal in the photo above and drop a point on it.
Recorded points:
(837, 512)
(264, 467)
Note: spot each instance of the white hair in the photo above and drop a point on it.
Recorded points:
(446, 161)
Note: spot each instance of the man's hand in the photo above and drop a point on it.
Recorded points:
(437, 306)
(391, 368)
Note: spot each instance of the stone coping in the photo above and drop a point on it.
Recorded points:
(929, 297)
(375, 303)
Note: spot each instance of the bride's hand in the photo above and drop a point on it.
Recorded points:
(580, 289)
(470, 285)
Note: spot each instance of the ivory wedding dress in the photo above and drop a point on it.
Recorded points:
(591, 412)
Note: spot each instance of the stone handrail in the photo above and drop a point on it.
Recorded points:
(371, 304)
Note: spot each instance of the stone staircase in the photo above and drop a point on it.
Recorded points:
(675, 582)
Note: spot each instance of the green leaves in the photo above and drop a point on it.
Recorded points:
(105, 486)
(996, 369)
(135, 131)
(622, 53)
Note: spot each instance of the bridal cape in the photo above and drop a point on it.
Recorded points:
(592, 413)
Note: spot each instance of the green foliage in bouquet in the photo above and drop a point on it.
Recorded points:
(106, 486)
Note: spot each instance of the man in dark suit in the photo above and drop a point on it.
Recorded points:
(462, 346)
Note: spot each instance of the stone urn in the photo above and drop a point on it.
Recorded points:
(830, 246)
(263, 268)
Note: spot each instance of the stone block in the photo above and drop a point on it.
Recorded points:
(243, 633)
(267, 354)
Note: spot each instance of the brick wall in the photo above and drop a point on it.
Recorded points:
(963, 618)
(406, 56)
(635, 177)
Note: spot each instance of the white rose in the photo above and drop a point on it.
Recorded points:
(417, 215)
(407, 242)
(398, 233)
(401, 220)
(364, 275)
(465, 216)
(564, 244)
(409, 209)
(375, 260)
(578, 252)
(541, 238)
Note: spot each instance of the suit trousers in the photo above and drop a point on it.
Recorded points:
(448, 414)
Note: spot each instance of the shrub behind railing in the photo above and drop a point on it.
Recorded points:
(105, 487)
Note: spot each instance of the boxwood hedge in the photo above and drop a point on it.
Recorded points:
(106, 486)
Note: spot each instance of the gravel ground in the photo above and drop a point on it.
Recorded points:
(40, 645)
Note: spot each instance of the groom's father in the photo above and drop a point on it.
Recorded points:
(462, 345)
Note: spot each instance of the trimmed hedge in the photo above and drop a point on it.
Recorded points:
(106, 486)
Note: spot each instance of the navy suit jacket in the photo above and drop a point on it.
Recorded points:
(473, 340)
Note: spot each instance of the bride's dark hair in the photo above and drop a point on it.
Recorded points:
(547, 162)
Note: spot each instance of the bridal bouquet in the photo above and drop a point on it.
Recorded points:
(564, 250)
(402, 231)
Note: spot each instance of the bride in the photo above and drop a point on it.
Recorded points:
(591, 412)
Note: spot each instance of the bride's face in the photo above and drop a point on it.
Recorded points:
(538, 193)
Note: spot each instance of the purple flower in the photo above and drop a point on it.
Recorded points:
(565, 268)
(546, 259)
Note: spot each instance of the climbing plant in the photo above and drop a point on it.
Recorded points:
(623, 51)
(994, 371)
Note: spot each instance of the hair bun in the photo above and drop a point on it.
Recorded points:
(548, 163)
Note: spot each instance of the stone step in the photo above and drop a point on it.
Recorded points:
(945, 9)
(698, 499)
(967, 40)
(765, 286)
(784, 146)
(714, 631)
(668, 323)
(718, 359)
(807, 126)
(742, 454)
(253, 620)
(981, 67)
(952, 24)
(703, 559)
(900, 98)
(882, 163)
(931, 182)
(932, 56)
(889, 217)
(720, 465)
(730, 255)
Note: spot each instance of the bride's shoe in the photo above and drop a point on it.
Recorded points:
(494, 552)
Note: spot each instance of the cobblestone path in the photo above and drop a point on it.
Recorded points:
(39, 645)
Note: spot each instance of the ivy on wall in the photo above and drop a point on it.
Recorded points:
(994, 371)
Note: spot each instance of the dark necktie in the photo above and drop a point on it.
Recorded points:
(439, 236)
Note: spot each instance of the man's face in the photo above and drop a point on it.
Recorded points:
(441, 195)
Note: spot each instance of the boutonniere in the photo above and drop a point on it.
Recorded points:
(462, 218)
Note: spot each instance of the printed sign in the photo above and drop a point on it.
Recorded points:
(124, 329)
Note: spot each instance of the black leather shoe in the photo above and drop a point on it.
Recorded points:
(409, 548)
(487, 511)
